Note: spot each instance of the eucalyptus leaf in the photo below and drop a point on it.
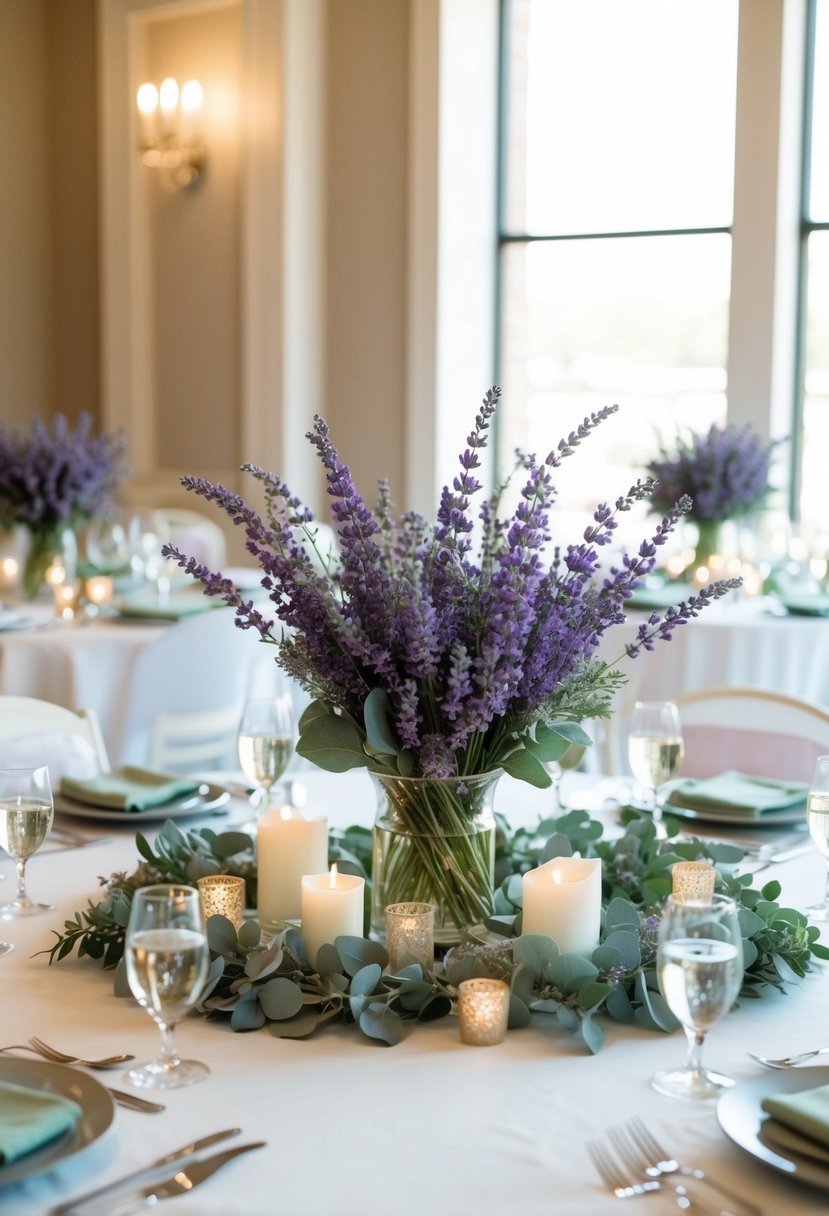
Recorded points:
(379, 1022)
(328, 960)
(522, 765)
(249, 935)
(121, 984)
(378, 717)
(519, 1013)
(620, 913)
(534, 950)
(332, 742)
(591, 1033)
(437, 1007)
(569, 971)
(627, 943)
(221, 935)
(298, 1027)
(264, 962)
(358, 952)
(365, 981)
(248, 1014)
(230, 844)
(556, 846)
(619, 1006)
(280, 998)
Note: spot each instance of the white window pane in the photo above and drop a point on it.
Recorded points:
(819, 171)
(621, 115)
(639, 321)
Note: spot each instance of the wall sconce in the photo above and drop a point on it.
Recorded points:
(170, 131)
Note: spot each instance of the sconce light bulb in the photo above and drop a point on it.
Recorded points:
(192, 97)
(147, 98)
(168, 96)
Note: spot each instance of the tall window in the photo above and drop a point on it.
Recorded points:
(617, 170)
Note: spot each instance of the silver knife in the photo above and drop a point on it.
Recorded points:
(178, 1154)
(180, 1183)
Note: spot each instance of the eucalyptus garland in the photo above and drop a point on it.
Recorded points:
(258, 983)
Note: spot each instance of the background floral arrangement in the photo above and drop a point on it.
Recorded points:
(724, 470)
(422, 659)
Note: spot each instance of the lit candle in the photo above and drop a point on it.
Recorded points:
(99, 590)
(410, 934)
(67, 600)
(287, 846)
(332, 907)
(693, 880)
(563, 899)
(223, 895)
(483, 1011)
(8, 574)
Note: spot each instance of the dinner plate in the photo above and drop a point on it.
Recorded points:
(97, 1117)
(741, 1117)
(769, 819)
(212, 801)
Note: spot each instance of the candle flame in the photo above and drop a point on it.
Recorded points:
(332, 878)
(556, 875)
(287, 812)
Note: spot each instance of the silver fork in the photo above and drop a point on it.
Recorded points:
(653, 1161)
(789, 1061)
(39, 1048)
(624, 1186)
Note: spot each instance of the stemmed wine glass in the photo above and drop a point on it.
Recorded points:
(699, 963)
(108, 544)
(655, 751)
(167, 960)
(817, 818)
(26, 813)
(571, 759)
(266, 742)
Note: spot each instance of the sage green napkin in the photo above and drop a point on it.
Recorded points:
(30, 1118)
(738, 793)
(128, 789)
(800, 1121)
(176, 608)
(805, 604)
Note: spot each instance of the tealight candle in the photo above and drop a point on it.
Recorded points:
(693, 880)
(410, 935)
(332, 907)
(67, 599)
(223, 895)
(563, 899)
(99, 590)
(483, 1011)
(8, 574)
(287, 846)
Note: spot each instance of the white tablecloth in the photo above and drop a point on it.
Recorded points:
(430, 1125)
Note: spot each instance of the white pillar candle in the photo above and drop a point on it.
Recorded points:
(287, 846)
(332, 907)
(563, 899)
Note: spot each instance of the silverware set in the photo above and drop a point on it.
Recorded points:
(789, 1061)
(128, 1100)
(633, 1163)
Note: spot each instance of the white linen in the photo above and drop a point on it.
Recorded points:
(357, 1128)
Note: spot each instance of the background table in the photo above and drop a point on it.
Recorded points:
(357, 1128)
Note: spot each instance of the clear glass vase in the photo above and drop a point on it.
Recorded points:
(47, 546)
(434, 843)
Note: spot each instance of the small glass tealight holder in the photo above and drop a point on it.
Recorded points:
(483, 1008)
(410, 935)
(693, 880)
(67, 595)
(223, 895)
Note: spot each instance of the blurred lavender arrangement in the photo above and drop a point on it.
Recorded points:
(428, 664)
(52, 479)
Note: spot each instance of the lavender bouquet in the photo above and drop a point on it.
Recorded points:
(427, 661)
(55, 478)
(725, 471)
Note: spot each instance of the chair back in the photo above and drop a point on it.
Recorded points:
(753, 730)
(34, 732)
(194, 534)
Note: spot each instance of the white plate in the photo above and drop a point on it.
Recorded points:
(213, 802)
(94, 1100)
(741, 1117)
(769, 819)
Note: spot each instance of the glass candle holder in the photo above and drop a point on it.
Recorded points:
(410, 935)
(483, 1008)
(693, 880)
(223, 895)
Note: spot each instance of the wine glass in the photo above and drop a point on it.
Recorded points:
(167, 960)
(699, 963)
(26, 813)
(571, 759)
(266, 742)
(655, 751)
(817, 818)
(108, 544)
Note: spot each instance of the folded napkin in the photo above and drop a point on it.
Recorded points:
(737, 793)
(805, 604)
(30, 1118)
(128, 789)
(175, 608)
(666, 596)
(799, 1122)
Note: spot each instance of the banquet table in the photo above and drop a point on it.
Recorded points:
(355, 1127)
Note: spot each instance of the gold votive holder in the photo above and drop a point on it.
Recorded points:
(223, 895)
(410, 935)
(483, 1008)
(693, 880)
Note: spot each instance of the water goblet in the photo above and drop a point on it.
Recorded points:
(266, 742)
(571, 760)
(167, 960)
(26, 813)
(699, 963)
(108, 544)
(655, 751)
(817, 819)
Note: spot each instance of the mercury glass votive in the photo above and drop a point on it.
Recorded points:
(410, 935)
(483, 1008)
(223, 895)
(693, 880)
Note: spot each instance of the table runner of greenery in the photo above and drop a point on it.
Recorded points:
(257, 983)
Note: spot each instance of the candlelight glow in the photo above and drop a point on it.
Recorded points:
(555, 875)
(332, 878)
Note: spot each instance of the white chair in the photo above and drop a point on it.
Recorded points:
(753, 730)
(34, 732)
(186, 694)
(194, 534)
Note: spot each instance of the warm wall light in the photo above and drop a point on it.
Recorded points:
(170, 130)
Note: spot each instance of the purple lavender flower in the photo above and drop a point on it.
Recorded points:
(725, 471)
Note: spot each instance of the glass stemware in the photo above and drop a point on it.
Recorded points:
(571, 760)
(817, 818)
(108, 544)
(699, 963)
(26, 813)
(655, 751)
(266, 743)
(167, 960)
